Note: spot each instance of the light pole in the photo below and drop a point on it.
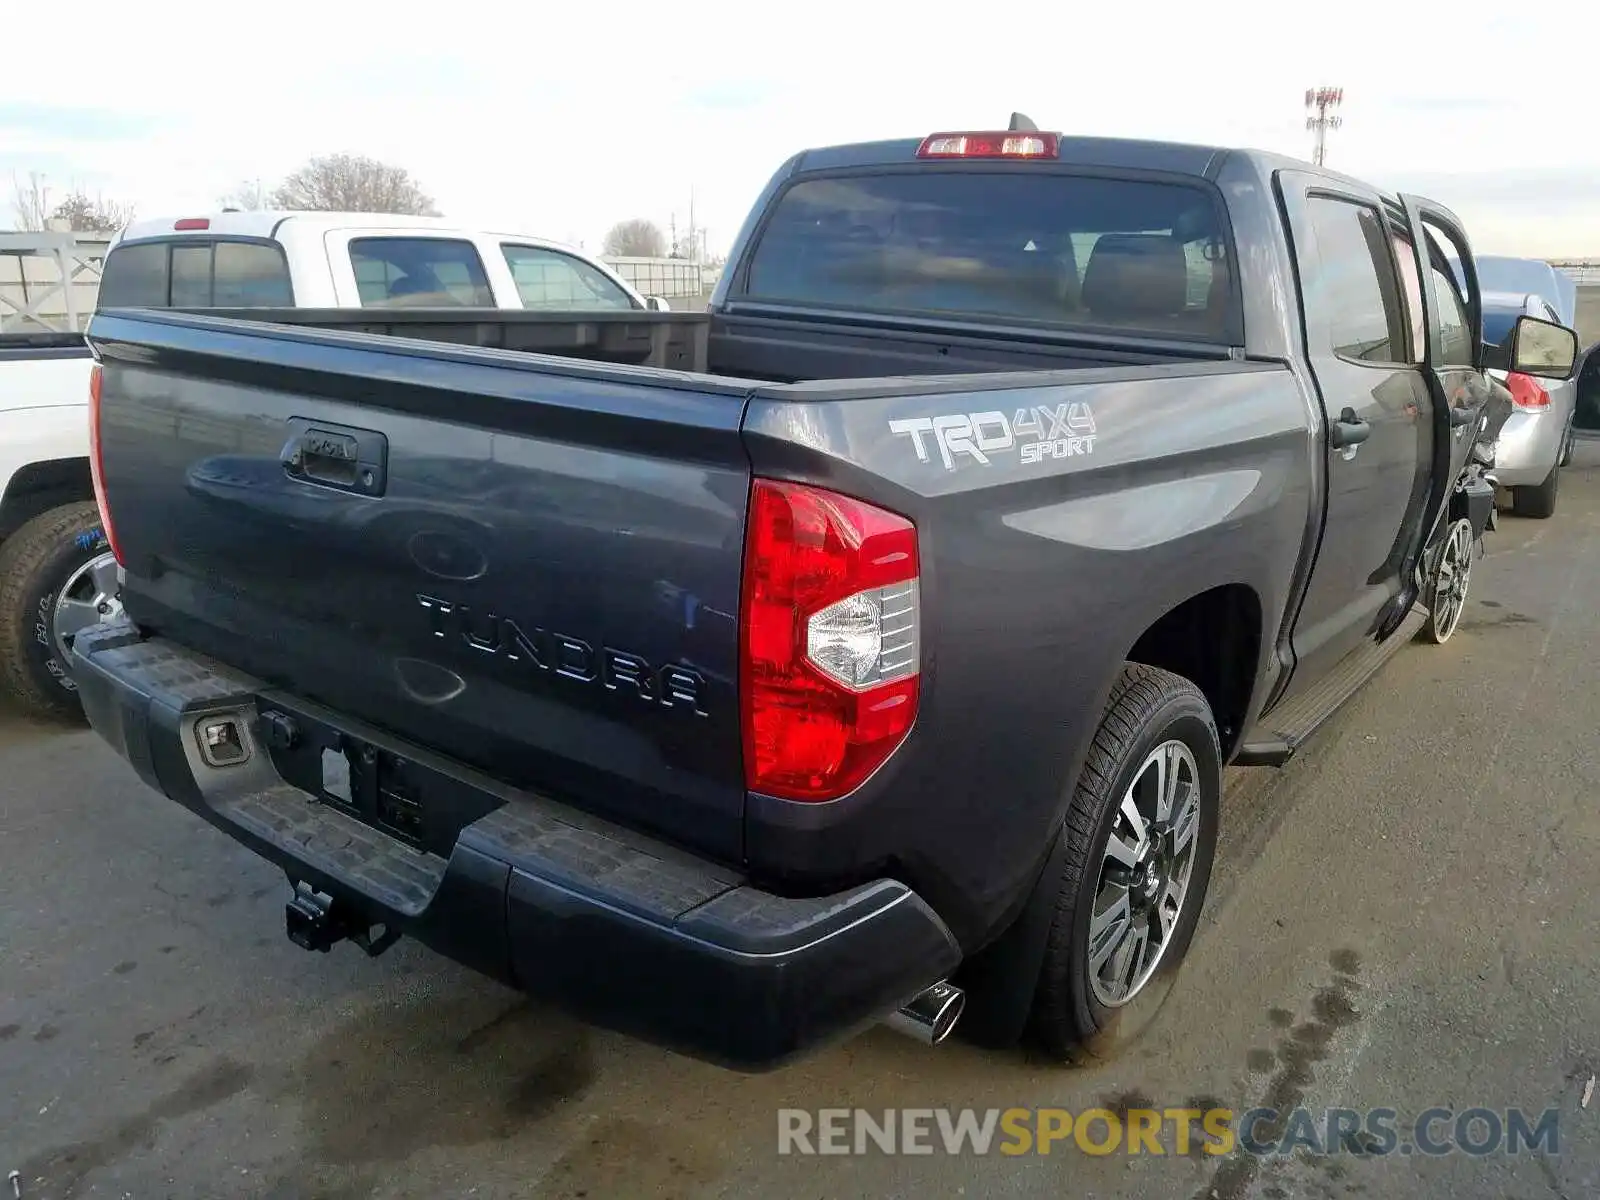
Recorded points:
(1322, 102)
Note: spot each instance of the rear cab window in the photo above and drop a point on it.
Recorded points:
(549, 279)
(419, 272)
(191, 272)
(1043, 248)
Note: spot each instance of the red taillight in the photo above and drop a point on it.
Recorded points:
(97, 473)
(187, 223)
(829, 640)
(990, 145)
(1526, 391)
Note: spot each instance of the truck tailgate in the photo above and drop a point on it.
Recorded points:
(528, 566)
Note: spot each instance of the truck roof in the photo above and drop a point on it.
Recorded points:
(1179, 158)
(1101, 152)
(268, 223)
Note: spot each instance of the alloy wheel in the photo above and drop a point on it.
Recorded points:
(91, 596)
(1144, 874)
(1451, 580)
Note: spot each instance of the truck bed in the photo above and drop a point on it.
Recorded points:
(654, 339)
(45, 344)
(752, 346)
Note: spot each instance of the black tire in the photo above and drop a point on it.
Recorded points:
(1146, 708)
(1570, 442)
(36, 562)
(1537, 500)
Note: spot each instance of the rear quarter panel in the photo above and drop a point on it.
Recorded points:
(1038, 577)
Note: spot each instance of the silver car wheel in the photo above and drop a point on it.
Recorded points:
(1144, 874)
(1450, 582)
(91, 596)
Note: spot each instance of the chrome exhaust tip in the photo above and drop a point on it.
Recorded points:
(931, 1014)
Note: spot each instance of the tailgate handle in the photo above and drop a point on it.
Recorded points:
(336, 456)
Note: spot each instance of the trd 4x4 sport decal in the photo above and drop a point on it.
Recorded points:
(1037, 433)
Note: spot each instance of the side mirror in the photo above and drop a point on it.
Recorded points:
(1541, 348)
(657, 304)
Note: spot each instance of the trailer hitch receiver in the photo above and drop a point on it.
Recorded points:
(317, 921)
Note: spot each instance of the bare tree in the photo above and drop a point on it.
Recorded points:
(636, 238)
(690, 246)
(249, 196)
(83, 213)
(352, 183)
(30, 201)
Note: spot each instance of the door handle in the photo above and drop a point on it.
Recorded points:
(1349, 430)
(336, 456)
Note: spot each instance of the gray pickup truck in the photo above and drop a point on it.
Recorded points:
(867, 648)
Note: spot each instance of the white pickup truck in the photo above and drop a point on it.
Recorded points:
(57, 575)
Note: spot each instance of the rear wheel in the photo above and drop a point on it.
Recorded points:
(1447, 591)
(57, 578)
(1537, 500)
(1140, 834)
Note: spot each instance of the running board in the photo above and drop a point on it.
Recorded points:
(1286, 728)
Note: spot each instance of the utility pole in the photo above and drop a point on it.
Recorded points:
(694, 246)
(1323, 101)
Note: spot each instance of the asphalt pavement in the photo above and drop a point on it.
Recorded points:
(1405, 918)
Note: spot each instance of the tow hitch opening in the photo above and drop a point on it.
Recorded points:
(222, 740)
(316, 921)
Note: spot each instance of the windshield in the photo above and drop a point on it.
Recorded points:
(1047, 248)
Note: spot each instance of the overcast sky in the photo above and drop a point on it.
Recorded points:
(559, 119)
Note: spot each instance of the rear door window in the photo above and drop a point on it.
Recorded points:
(419, 272)
(1451, 325)
(1039, 248)
(196, 273)
(1352, 288)
(548, 279)
(1455, 336)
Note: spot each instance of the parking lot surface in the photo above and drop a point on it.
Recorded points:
(1406, 917)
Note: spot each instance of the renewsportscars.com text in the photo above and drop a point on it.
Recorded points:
(1262, 1132)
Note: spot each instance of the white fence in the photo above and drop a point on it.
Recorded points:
(1583, 272)
(669, 278)
(49, 281)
